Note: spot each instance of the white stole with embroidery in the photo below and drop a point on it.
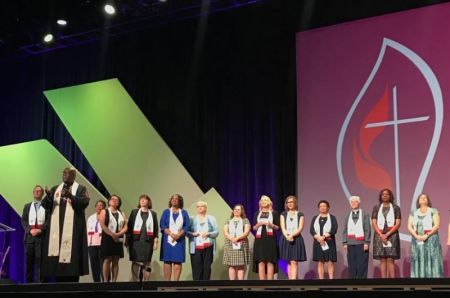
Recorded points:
(138, 224)
(355, 231)
(36, 220)
(113, 223)
(291, 223)
(175, 225)
(269, 230)
(65, 251)
(200, 242)
(389, 219)
(236, 229)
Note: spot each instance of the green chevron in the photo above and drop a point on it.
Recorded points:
(128, 154)
(24, 165)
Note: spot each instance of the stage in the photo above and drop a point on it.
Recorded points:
(221, 288)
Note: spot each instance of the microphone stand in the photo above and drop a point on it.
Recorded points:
(142, 267)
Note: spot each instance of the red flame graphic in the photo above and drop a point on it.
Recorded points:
(370, 173)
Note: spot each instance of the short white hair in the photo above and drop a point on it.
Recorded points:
(354, 198)
(202, 203)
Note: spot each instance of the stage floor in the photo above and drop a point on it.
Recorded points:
(407, 287)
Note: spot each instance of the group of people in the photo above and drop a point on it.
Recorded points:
(58, 240)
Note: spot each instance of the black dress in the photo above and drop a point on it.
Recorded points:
(265, 248)
(295, 250)
(141, 246)
(318, 253)
(109, 247)
(386, 252)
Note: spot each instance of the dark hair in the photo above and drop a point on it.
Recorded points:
(243, 215)
(148, 199)
(295, 203)
(120, 200)
(180, 201)
(428, 200)
(36, 186)
(101, 201)
(324, 202)
(391, 195)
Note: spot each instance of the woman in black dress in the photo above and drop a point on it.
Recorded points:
(142, 238)
(265, 250)
(323, 228)
(114, 227)
(292, 246)
(386, 220)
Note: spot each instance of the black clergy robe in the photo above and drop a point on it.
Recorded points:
(78, 266)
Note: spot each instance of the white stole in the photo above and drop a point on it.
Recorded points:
(36, 220)
(65, 251)
(138, 224)
(200, 242)
(236, 229)
(93, 227)
(355, 231)
(175, 225)
(326, 227)
(113, 223)
(269, 230)
(427, 221)
(389, 219)
(291, 223)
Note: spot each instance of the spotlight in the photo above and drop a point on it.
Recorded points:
(109, 9)
(48, 37)
(61, 22)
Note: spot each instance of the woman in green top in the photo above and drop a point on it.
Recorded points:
(426, 252)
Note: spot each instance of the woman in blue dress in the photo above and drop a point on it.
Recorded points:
(174, 226)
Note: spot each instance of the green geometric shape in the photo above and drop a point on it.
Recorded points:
(121, 145)
(130, 157)
(24, 165)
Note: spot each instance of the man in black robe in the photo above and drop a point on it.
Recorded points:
(65, 253)
(33, 222)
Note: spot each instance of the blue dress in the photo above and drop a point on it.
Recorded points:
(177, 253)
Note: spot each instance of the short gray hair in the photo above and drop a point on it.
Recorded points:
(354, 198)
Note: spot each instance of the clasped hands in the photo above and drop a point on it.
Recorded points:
(265, 223)
(175, 236)
(35, 232)
(202, 234)
(321, 239)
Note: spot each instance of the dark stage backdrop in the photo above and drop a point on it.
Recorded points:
(221, 91)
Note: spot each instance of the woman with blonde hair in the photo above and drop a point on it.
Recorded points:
(265, 250)
(292, 246)
(236, 250)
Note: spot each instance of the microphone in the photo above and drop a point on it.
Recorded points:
(66, 190)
